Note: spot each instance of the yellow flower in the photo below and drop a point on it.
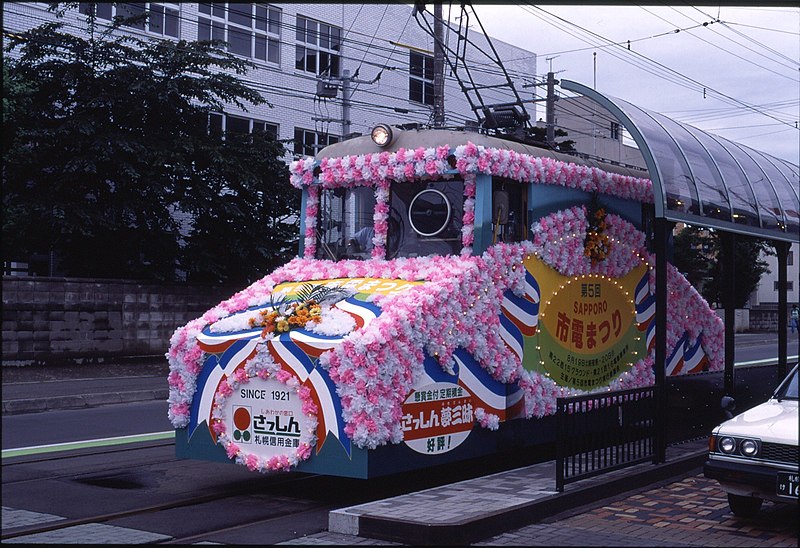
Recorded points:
(301, 313)
(282, 326)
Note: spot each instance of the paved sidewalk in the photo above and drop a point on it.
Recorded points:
(477, 508)
(461, 513)
(32, 389)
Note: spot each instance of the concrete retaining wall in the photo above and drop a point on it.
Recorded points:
(757, 319)
(49, 320)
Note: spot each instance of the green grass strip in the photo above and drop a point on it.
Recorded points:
(84, 444)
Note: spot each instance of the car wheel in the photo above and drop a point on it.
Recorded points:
(744, 507)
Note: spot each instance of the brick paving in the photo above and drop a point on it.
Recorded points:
(690, 512)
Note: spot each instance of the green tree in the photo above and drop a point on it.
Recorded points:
(700, 255)
(106, 142)
(240, 231)
(691, 256)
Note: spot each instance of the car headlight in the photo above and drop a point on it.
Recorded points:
(727, 445)
(749, 448)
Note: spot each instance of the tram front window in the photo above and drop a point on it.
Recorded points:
(345, 223)
(425, 218)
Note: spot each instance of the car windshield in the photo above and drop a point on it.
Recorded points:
(788, 389)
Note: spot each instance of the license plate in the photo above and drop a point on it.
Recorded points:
(788, 484)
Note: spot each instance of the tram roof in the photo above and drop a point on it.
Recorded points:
(427, 138)
(706, 180)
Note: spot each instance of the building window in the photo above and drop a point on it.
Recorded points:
(251, 30)
(789, 285)
(220, 123)
(162, 19)
(420, 78)
(318, 48)
(308, 143)
(790, 258)
(614, 134)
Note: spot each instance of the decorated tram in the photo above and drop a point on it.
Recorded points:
(450, 285)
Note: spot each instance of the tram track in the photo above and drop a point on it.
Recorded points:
(204, 536)
(19, 462)
(151, 509)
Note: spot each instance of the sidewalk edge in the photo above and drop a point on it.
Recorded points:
(467, 532)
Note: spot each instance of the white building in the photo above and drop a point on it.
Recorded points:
(309, 57)
(767, 292)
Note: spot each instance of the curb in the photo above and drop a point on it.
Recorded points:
(469, 531)
(21, 406)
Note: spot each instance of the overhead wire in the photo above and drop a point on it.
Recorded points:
(727, 51)
(647, 64)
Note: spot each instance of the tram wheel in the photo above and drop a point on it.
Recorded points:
(744, 507)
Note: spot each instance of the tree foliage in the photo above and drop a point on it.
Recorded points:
(107, 153)
(702, 256)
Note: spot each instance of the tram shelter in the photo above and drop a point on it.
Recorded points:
(708, 181)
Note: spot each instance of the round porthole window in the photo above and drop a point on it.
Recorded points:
(429, 212)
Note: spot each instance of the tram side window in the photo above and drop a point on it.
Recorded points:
(509, 211)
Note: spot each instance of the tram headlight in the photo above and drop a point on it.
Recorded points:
(382, 135)
(749, 448)
(727, 445)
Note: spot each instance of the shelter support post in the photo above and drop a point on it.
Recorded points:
(782, 249)
(729, 297)
(661, 233)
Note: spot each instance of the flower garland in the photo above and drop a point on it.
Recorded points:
(377, 169)
(468, 220)
(407, 165)
(557, 240)
(263, 367)
(459, 305)
(380, 219)
(596, 244)
(312, 209)
(298, 315)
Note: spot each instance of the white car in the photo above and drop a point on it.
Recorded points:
(754, 454)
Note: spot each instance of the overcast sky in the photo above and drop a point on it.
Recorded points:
(749, 55)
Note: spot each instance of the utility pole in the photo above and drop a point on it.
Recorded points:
(550, 111)
(328, 89)
(438, 67)
(346, 93)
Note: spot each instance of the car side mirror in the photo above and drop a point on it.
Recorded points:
(728, 405)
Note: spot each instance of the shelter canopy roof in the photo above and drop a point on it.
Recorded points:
(706, 180)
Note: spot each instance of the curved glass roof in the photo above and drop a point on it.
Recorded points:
(706, 180)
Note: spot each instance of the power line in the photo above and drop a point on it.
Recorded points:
(647, 64)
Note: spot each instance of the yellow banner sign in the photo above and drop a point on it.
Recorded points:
(587, 334)
(384, 286)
